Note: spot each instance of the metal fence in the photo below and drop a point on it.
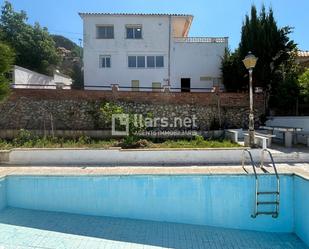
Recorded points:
(118, 88)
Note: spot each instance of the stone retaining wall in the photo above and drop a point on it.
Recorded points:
(80, 110)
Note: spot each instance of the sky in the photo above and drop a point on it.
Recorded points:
(217, 18)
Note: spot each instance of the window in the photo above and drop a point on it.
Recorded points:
(156, 86)
(135, 85)
(140, 61)
(136, 61)
(105, 32)
(105, 61)
(134, 32)
(132, 61)
(205, 78)
(150, 61)
(159, 61)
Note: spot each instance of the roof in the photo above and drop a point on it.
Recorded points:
(82, 14)
(62, 75)
(303, 53)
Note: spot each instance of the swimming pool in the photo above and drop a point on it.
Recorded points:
(225, 201)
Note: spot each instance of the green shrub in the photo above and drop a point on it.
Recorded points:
(199, 139)
(4, 145)
(23, 137)
(110, 109)
(84, 140)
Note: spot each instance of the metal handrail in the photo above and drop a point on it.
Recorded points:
(201, 39)
(256, 179)
(121, 88)
(277, 176)
(272, 161)
(255, 211)
(251, 159)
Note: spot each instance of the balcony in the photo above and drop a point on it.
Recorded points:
(201, 39)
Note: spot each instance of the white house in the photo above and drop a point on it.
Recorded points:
(303, 58)
(148, 51)
(25, 78)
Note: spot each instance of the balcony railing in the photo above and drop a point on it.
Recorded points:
(202, 39)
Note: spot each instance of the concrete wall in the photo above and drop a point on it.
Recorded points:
(301, 202)
(63, 79)
(4, 154)
(3, 200)
(222, 201)
(24, 78)
(212, 200)
(115, 157)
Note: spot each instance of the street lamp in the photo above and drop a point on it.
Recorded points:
(250, 62)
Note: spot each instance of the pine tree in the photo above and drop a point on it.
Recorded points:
(276, 70)
(261, 36)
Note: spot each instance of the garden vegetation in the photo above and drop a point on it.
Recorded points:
(26, 139)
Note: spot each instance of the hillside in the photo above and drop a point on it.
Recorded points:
(71, 62)
(66, 43)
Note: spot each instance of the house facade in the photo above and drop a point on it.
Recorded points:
(148, 52)
(303, 58)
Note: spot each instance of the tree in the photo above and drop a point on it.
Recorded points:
(34, 47)
(260, 35)
(6, 62)
(303, 82)
(275, 70)
(285, 91)
(77, 76)
(232, 72)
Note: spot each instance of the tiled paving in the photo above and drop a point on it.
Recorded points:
(21, 229)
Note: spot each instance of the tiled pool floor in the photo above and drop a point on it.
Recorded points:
(21, 228)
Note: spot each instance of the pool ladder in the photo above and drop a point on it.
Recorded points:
(258, 205)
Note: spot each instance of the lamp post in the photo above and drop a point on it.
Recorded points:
(250, 62)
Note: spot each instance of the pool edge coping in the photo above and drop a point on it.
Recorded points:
(292, 174)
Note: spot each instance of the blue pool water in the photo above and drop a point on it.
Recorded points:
(224, 201)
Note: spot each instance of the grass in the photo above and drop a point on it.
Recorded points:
(68, 143)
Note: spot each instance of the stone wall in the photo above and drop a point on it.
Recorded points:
(80, 110)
